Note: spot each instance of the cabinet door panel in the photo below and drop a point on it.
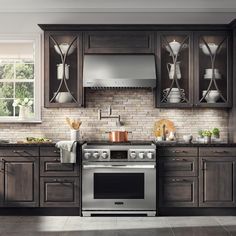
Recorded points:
(119, 42)
(217, 182)
(21, 181)
(178, 192)
(59, 192)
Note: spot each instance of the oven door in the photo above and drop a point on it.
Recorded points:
(119, 186)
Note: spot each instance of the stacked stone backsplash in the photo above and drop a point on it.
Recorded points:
(135, 106)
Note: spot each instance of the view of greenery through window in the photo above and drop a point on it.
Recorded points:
(16, 82)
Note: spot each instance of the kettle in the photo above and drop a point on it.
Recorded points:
(174, 69)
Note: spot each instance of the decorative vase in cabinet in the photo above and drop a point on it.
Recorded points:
(175, 74)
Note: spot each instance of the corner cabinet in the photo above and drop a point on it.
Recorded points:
(194, 69)
(63, 69)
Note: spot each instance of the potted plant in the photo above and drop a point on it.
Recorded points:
(24, 105)
(200, 133)
(207, 136)
(216, 133)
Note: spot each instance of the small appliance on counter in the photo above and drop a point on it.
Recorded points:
(119, 178)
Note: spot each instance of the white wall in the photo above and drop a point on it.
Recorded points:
(27, 22)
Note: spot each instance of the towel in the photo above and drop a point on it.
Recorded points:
(67, 151)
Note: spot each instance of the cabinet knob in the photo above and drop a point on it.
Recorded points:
(57, 160)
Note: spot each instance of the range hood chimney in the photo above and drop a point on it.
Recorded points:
(119, 71)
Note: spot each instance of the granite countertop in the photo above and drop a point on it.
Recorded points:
(18, 144)
(193, 144)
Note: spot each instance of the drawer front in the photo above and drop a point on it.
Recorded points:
(217, 151)
(119, 42)
(178, 166)
(19, 152)
(59, 192)
(49, 152)
(178, 192)
(51, 166)
(177, 152)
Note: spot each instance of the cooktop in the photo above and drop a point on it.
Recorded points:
(133, 142)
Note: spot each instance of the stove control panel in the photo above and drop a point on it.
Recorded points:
(134, 155)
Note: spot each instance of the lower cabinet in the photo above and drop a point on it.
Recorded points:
(59, 192)
(19, 184)
(217, 181)
(178, 192)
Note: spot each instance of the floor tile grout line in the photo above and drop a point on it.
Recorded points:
(218, 221)
(170, 226)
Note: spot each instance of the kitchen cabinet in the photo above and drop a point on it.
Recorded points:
(178, 192)
(119, 42)
(59, 192)
(217, 186)
(175, 69)
(63, 69)
(19, 178)
(178, 176)
(212, 68)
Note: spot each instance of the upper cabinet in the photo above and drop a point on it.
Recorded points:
(175, 69)
(119, 42)
(194, 69)
(213, 69)
(63, 69)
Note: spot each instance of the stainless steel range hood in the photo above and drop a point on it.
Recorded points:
(119, 71)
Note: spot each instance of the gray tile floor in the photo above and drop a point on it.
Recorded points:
(116, 226)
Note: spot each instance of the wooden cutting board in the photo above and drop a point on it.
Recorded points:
(158, 127)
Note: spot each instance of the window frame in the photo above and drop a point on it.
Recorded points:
(36, 39)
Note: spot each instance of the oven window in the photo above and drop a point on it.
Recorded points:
(118, 185)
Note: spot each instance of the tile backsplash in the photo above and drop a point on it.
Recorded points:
(135, 106)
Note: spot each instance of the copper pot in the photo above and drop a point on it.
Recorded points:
(118, 136)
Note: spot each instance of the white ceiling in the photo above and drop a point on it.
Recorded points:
(117, 6)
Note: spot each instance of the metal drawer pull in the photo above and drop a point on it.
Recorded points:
(177, 159)
(57, 160)
(177, 151)
(56, 151)
(220, 151)
(19, 151)
(178, 180)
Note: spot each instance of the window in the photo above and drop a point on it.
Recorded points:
(20, 79)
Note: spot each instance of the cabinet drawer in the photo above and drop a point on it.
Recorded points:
(177, 152)
(19, 152)
(178, 192)
(178, 166)
(59, 192)
(49, 152)
(51, 166)
(119, 42)
(217, 151)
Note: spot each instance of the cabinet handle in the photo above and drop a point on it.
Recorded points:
(56, 151)
(57, 160)
(220, 151)
(179, 151)
(178, 180)
(177, 159)
(18, 151)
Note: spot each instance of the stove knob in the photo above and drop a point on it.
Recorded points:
(96, 155)
(150, 155)
(133, 155)
(141, 155)
(87, 155)
(104, 155)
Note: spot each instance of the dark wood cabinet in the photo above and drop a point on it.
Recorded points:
(19, 178)
(59, 192)
(213, 69)
(119, 42)
(178, 192)
(217, 187)
(63, 69)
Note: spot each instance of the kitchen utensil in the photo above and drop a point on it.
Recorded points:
(188, 138)
(212, 96)
(60, 71)
(63, 97)
(175, 46)
(158, 127)
(118, 136)
(64, 47)
(174, 69)
(212, 46)
(74, 124)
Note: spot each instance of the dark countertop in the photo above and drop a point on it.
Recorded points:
(16, 144)
(193, 144)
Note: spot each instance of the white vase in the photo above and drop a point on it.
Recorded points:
(24, 113)
(74, 135)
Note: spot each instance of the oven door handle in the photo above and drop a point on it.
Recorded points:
(120, 166)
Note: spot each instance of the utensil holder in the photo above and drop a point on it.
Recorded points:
(74, 135)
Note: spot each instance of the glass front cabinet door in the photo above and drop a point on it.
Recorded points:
(212, 69)
(63, 62)
(175, 74)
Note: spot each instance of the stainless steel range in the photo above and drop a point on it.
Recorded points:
(119, 178)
